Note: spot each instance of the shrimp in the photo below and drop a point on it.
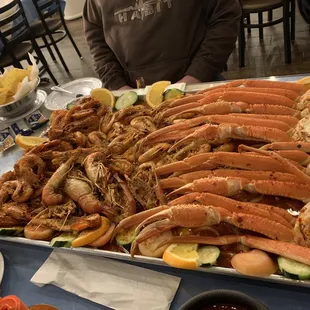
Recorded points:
(18, 211)
(20, 191)
(81, 192)
(8, 176)
(49, 194)
(96, 138)
(30, 168)
(96, 171)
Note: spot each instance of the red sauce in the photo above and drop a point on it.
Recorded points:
(224, 307)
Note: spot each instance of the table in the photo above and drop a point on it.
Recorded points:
(22, 261)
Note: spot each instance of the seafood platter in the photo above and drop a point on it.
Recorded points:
(217, 180)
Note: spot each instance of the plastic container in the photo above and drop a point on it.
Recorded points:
(218, 297)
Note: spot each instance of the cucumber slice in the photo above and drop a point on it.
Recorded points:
(126, 100)
(208, 255)
(126, 236)
(173, 94)
(12, 231)
(63, 241)
(293, 270)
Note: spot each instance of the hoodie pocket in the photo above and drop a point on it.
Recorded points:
(170, 70)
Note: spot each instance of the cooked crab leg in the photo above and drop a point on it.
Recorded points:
(136, 219)
(176, 182)
(223, 131)
(275, 91)
(288, 119)
(228, 159)
(223, 107)
(193, 215)
(231, 186)
(286, 164)
(248, 97)
(302, 146)
(237, 120)
(290, 250)
(259, 209)
(185, 100)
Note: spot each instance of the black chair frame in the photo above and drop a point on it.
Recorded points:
(17, 34)
(288, 20)
(43, 15)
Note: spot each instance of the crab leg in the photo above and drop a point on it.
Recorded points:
(231, 186)
(172, 136)
(185, 100)
(176, 182)
(223, 107)
(302, 146)
(275, 91)
(298, 88)
(136, 219)
(194, 216)
(237, 120)
(249, 97)
(286, 164)
(254, 133)
(248, 174)
(288, 119)
(176, 127)
(289, 250)
(207, 99)
(263, 210)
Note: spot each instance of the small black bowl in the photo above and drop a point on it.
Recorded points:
(218, 297)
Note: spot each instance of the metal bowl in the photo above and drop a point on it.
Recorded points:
(16, 108)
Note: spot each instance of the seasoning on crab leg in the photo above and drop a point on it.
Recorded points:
(300, 145)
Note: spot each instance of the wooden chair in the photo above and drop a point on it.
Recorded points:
(259, 7)
(15, 30)
(50, 22)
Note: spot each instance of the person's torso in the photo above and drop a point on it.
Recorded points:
(156, 39)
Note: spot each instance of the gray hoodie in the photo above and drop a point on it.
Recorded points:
(160, 39)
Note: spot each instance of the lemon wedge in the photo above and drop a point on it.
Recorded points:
(184, 256)
(154, 96)
(27, 142)
(305, 81)
(90, 235)
(104, 96)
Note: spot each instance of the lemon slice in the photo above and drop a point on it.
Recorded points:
(104, 96)
(154, 96)
(89, 235)
(183, 256)
(27, 142)
(305, 81)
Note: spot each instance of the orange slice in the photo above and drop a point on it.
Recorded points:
(90, 235)
(27, 142)
(184, 256)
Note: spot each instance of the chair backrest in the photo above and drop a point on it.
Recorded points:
(46, 8)
(14, 27)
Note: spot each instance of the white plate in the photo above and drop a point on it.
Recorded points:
(1, 267)
(41, 97)
(58, 101)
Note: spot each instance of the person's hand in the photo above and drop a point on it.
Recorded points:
(189, 80)
(125, 87)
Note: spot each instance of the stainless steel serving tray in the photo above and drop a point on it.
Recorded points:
(8, 160)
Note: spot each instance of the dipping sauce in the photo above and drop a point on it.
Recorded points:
(224, 307)
(42, 307)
